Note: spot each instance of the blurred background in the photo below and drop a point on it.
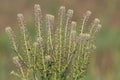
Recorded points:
(105, 65)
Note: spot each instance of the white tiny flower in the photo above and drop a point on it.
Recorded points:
(69, 13)
(37, 9)
(48, 58)
(98, 28)
(49, 19)
(37, 14)
(88, 13)
(62, 10)
(96, 21)
(16, 61)
(20, 18)
(73, 25)
(84, 36)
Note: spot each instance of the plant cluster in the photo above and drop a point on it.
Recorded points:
(61, 48)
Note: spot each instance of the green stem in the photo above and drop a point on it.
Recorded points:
(60, 44)
(43, 61)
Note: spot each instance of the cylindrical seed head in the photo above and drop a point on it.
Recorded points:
(49, 22)
(50, 19)
(37, 14)
(85, 19)
(21, 22)
(69, 13)
(11, 36)
(62, 11)
(21, 19)
(37, 10)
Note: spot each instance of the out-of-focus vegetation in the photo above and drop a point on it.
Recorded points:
(108, 39)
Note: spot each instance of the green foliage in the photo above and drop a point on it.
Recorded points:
(61, 49)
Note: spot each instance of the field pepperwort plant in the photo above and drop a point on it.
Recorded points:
(61, 49)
